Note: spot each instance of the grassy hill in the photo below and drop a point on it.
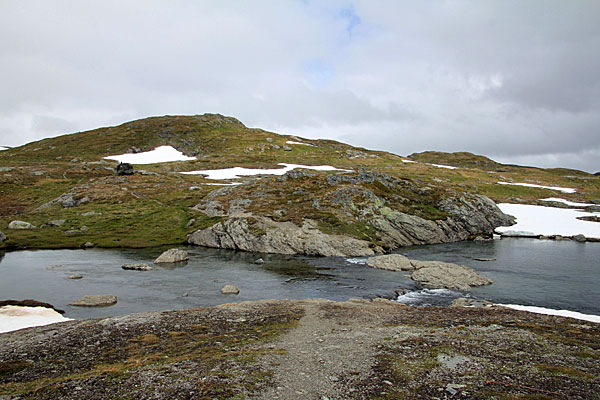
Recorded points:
(155, 206)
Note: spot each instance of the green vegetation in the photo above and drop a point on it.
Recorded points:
(154, 207)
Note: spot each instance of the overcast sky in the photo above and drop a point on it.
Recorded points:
(518, 80)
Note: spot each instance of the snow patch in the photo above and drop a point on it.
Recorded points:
(567, 202)
(237, 172)
(560, 189)
(408, 161)
(306, 144)
(160, 154)
(4, 148)
(540, 220)
(550, 311)
(444, 166)
(13, 318)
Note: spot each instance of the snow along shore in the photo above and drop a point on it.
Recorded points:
(238, 172)
(13, 318)
(540, 220)
(160, 154)
(550, 311)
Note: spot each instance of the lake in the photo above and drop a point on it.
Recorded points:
(552, 274)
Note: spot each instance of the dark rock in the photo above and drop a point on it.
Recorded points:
(29, 303)
(2, 237)
(124, 169)
(137, 267)
(579, 238)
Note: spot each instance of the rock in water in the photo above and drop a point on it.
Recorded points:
(124, 169)
(172, 256)
(96, 300)
(438, 275)
(76, 276)
(230, 289)
(20, 225)
(137, 267)
(259, 261)
(392, 262)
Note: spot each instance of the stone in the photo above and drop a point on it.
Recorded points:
(57, 222)
(440, 275)
(259, 261)
(20, 225)
(75, 276)
(230, 289)
(95, 300)
(2, 237)
(579, 238)
(137, 267)
(124, 169)
(88, 245)
(391, 262)
(286, 148)
(190, 223)
(172, 256)
(91, 214)
(483, 259)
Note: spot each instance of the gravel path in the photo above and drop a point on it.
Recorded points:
(325, 355)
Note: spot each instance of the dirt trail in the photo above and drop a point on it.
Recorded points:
(324, 354)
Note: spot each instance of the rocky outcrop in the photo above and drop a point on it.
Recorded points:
(96, 300)
(172, 256)
(263, 235)
(124, 169)
(431, 274)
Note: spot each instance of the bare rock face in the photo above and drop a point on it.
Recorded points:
(230, 289)
(263, 235)
(172, 256)
(96, 300)
(391, 262)
(137, 267)
(437, 275)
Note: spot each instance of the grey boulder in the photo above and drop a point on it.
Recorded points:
(230, 289)
(438, 275)
(96, 300)
(172, 256)
(391, 262)
(20, 225)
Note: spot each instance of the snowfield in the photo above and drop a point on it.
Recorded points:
(13, 318)
(444, 166)
(560, 189)
(238, 172)
(539, 220)
(305, 144)
(549, 311)
(160, 154)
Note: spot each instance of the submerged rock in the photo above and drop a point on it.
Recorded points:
(95, 300)
(137, 267)
(172, 256)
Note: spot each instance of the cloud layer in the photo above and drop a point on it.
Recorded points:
(514, 80)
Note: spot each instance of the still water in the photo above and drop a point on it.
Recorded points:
(561, 275)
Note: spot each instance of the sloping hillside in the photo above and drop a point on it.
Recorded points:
(69, 192)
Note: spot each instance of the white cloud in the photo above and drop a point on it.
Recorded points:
(505, 79)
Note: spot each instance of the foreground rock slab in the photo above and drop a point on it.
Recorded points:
(310, 349)
(96, 300)
(172, 256)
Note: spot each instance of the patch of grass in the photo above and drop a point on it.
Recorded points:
(562, 370)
